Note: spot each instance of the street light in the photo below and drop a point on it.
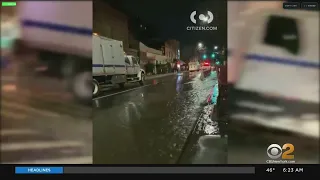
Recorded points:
(215, 47)
(200, 45)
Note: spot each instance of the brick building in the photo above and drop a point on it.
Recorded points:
(133, 43)
(109, 22)
(172, 49)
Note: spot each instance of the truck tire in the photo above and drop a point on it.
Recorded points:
(77, 73)
(96, 89)
(143, 77)
(82, 86)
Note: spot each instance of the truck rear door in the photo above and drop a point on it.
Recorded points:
(97, 56)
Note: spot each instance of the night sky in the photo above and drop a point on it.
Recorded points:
(169, 19)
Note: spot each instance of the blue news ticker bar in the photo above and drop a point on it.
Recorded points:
(39, 170)
(133, 170)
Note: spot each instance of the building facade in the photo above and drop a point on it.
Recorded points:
(111, 23)
(133, 42)
(151, 55)
(172, 50)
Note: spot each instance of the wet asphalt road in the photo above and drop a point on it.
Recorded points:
(149, 124)
(40, 124)
(165, 123)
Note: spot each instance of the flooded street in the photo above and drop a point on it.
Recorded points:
(166, 121)
(151, 124)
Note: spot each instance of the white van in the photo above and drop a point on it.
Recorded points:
(194, 66)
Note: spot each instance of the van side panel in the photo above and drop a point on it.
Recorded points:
(293, 76)
(63, 26)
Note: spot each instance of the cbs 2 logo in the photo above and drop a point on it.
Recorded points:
(275, 151)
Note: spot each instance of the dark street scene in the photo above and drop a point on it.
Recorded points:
(257, 115)
(161, 117)
(147, 82)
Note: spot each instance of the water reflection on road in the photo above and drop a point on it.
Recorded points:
(149, 124)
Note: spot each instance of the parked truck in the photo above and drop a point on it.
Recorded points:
(111, 66)
(59, 34)
(134, 72)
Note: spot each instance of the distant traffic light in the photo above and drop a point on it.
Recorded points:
(204, 56)
(213, 55)
(217, 62)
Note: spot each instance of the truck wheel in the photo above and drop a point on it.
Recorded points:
(121, 85)
(143, 77)
(95, 88)
(82, 86)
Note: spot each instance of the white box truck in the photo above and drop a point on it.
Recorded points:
(111, 66)
(108, 66)
(59, 33)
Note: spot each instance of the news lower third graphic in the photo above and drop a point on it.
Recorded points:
(280, 154)
(6, 4)
(39, 170)
(132, 170)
